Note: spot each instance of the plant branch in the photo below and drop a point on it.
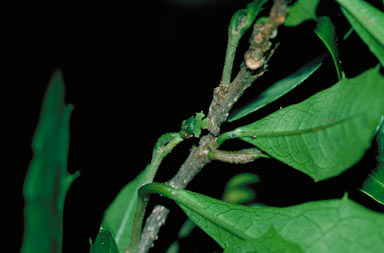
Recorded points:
(196, 160)
(163, 146)
(241, 156)
(260, 43)
(224, 97)
(239, 24)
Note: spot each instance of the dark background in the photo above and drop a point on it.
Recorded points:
(134, 72)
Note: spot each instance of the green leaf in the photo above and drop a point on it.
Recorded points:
(119, 216)
(301, 11)
(173, 248)
(278, 89)
(243, 19)
(104, 243)
(252, 11)
(325, 134)
(270, 242)
(326, 32)
(193, 125)
(374, 185)
(47, 180)
(368, 22)
(339, 225)
(236, 190)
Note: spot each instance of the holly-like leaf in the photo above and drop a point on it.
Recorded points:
(104, 243)
(374, 185)
(300, 11)
(368, 22)
(278, 89)
(339, 225)
(325, 134)
(47, 180)
(326, 32)
(119, 216)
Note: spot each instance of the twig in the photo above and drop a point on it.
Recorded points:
(196, 160)
(224, 97)
(241, 156)
(163, 146)
(260, 43)
(239, 24)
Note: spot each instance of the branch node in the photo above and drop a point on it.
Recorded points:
(224, 97)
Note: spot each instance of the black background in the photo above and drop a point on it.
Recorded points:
(133, 72)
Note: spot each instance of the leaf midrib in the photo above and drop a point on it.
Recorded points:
(255, 133)
(125, 219)
(211, 218)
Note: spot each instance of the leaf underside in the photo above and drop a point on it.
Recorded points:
(270, 242)
(327, 133)
(338, 225)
